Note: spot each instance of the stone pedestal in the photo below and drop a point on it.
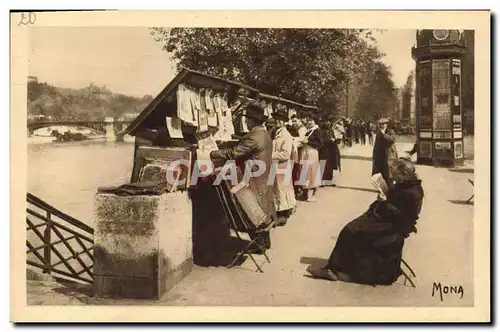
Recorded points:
(143, 244)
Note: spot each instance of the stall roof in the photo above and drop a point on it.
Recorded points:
(286, 101)
(189, 77)
(200, 80)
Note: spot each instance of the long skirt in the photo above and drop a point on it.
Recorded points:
(330, 154)
(295, 176)
(310, 167)
(284, 193)
(357, 255)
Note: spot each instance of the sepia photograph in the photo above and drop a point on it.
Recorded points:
(221, 165)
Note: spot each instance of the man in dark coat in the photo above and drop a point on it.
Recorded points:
(362, 132)
(349, 132)
(255, 145)
(369, 132)
(329, 152)
(383, 142)
(356, 131)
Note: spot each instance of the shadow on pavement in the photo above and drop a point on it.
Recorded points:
(356, 157)
(224, 255)
(81, 292)
(462, 170)
(313, 261)
(358, 188)
(461, 202)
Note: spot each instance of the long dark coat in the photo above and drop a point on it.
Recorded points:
(257, 145)
(329, 152)
(369, 248)
(383, 143)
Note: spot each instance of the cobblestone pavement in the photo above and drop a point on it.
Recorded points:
(441, 251)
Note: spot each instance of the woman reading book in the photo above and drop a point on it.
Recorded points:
(369, 248)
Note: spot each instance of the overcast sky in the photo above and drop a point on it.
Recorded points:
(129, 61)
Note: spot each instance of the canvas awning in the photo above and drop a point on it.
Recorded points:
(164, 103)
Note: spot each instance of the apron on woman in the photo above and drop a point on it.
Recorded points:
(310, 160)
(284, 154)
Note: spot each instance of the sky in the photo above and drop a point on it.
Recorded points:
(127, 59)
(397, 44)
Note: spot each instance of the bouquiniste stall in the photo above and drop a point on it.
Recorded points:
(150, 232)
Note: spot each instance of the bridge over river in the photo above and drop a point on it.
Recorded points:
(110, 127)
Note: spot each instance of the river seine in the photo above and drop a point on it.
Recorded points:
(67, 175)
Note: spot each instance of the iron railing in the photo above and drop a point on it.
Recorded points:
(57, 243)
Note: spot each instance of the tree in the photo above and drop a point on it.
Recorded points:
(90, 103)
(310, 66)
(35, 90)
(376, 95)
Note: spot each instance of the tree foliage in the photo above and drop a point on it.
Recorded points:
(377, 92)
(90, 103)
(310, 66)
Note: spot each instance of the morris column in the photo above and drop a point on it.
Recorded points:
(438, 56)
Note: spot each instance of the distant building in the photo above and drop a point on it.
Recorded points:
(468, 83)
(399, 104)
(38, 117)
(408, 101)
(412, 101)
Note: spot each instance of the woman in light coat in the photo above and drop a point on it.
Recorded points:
(284, 153)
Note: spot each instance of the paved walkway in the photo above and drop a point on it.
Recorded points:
(441, 251)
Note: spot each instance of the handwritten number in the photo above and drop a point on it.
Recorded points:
(27, 19)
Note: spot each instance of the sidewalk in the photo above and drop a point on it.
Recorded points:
(441, 251)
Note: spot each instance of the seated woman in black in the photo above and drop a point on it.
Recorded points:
(369, 248)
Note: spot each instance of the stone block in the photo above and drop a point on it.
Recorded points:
(142, 244)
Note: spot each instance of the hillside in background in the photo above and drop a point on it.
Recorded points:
(89, 103)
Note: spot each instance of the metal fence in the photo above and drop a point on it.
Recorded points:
(57, 243)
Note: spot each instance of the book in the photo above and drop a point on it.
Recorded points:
(379, 183)
(174, 127)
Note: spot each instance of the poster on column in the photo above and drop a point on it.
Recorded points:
(456, 91)
(441, 94)
(425, 82)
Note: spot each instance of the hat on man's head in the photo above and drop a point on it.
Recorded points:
(254, 111)
(280, 115)
(383, 120)
(271, 122)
